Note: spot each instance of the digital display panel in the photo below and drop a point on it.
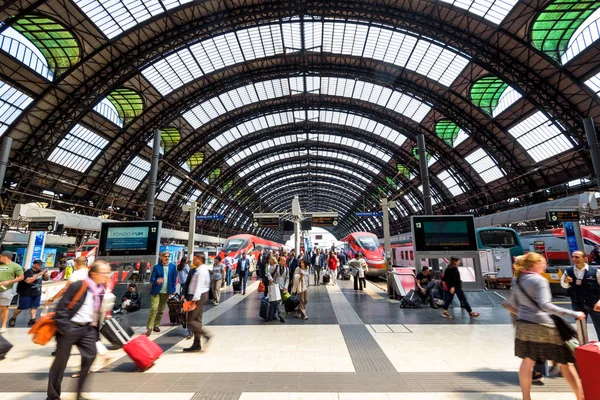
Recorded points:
(444, 233)
(324, 221)
(129, 239)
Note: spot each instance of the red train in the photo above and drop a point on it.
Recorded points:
(368, 244)
(553, 243)
(235, 245)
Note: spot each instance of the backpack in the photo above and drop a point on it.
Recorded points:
(411, 300)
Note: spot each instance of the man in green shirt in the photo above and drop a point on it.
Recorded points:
(10, 273)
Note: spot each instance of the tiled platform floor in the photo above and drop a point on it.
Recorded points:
(429, 357)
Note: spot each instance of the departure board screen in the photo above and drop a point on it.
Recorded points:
(444, 233)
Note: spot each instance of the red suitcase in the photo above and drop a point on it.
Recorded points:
(142, 351)
(587, 357)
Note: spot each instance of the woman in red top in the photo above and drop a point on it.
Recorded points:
(332, 264)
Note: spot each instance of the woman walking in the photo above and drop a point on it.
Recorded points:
(453, 285)
(183, 270)
(537, 339)
(216, 279)
(332, 265)
(301, 287)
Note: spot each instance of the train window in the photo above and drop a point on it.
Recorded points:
(412, 255)
(402, 255)
(234, 245)
(498, 238)
(406, 254)
(368, 243)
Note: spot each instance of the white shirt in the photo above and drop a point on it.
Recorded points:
(80, 275)
(579, 273)
(200, 281)
(86, 312)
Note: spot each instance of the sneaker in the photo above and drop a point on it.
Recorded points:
(445, 314)
(156, 329)
(537, 378)
(12, 322)
(2, 330)
(305, 318)
(31, 322)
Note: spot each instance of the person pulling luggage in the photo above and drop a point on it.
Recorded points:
(301, 287)
(359, 267)
(279, 277)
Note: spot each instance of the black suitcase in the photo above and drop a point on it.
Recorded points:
(267, 309)
(291, 304)
(116, 332)
(175, 310)
(411, 300)
(5, 347)
(326, 279)
(237, 286)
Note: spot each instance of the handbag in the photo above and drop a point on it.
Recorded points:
(565, 330)
(261, 287)
(274, 292)
(189, 305)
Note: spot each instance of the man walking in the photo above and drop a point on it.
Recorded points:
(453, 285)
(77, 323)
(582, 282)
(10, 273)
(30, 292)
(198, 291)
(243, 268)
(163, 279)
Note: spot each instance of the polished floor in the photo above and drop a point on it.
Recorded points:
(355, 345)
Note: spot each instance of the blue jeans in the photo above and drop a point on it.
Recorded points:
(448, 297)
(588, 309)
(228, 276)
(243, 275)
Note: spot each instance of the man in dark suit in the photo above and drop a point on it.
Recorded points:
(77, 323)
(243, 268)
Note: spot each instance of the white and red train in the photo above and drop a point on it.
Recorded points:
(235, 245)
(554, 244)
(368, 244)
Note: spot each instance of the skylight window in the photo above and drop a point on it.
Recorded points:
(484, 165)
(450, 182)
(21, 48)
(208, 206)
(12, 104)
(114, 17)
(109, 111)
(169, 188)
(401, 103)
(450, 133)
(134, 173)
(594, 84)
(407, 50)
(333, 117)
(413, 202)
(78, 149)
(435, 197)
(540, 137)
(321, 165)
(493, 10)
(584, 36)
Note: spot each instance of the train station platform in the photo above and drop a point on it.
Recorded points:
(355, 345)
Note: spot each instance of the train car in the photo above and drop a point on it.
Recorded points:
(235, 245)
(553, 244)
(368, 244)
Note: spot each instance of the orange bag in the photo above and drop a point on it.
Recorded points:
(45, 328)
(261, 287)
(189, 306)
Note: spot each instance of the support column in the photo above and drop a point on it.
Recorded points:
(387, 244)
(192, 231)
(592, 139)
(297, 235)
(153, 176)
(424, 174)
(4, 153)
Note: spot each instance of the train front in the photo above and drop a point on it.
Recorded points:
(232, 248)
(373, 253)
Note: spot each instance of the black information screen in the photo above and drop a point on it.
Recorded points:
(447, 233)
(128, 238)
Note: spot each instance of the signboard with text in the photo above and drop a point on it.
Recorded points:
(557, 216)
(324, 221)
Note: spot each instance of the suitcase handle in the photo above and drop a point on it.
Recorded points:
(582, 332)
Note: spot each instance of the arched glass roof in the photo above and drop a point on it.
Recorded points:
(306, 165)
(21, 48)
(12, 104)
(404, 49)
(291, 117)
(394, 100)
(493, 95)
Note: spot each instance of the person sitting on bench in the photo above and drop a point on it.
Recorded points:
(425, 284)
(131, 301)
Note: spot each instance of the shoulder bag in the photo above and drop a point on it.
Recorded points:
(565, 330)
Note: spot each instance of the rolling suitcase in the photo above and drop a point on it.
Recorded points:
(237, 286)
(116, 332)
(5, 347)
(291, 304)
(267, 309)
(143, 351)
(326, 279)
(174, 310)
(587, 357)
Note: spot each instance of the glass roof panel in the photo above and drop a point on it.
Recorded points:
(404, 49)
(169, 137)
(194, 196)
(540, 137)
(109, 111)
(484, 165)
(78, 149)
(12, 104)
(556, 25)
(493, 95)
(134, 173)
(413, 202)
(169, 188)
(450, 133)
(113, 17)
(507, 99)
(584, 36)
(435, 197)
(128, 102)
(195, 160)
(594, 83)
(450, 182)
(320, 165)
(260, 91)
(315, 180)
(208, 206)
(21, 48)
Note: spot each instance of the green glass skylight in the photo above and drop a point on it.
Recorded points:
(402, 170)
(227, 186)
(169, 137)
(556, 24)
(128, 102)
(447, 131)
(214, 175)
(415, 151)
(195, 160)
(56, 42)
(391, 182)
(237, 194)
(486, 92)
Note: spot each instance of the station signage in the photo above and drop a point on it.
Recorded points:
(369, 214)
(210, 217)
(556, 216)
(324, 221)
(45, 226)
(269, 222)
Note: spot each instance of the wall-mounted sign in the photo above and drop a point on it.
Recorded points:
(556, 216)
